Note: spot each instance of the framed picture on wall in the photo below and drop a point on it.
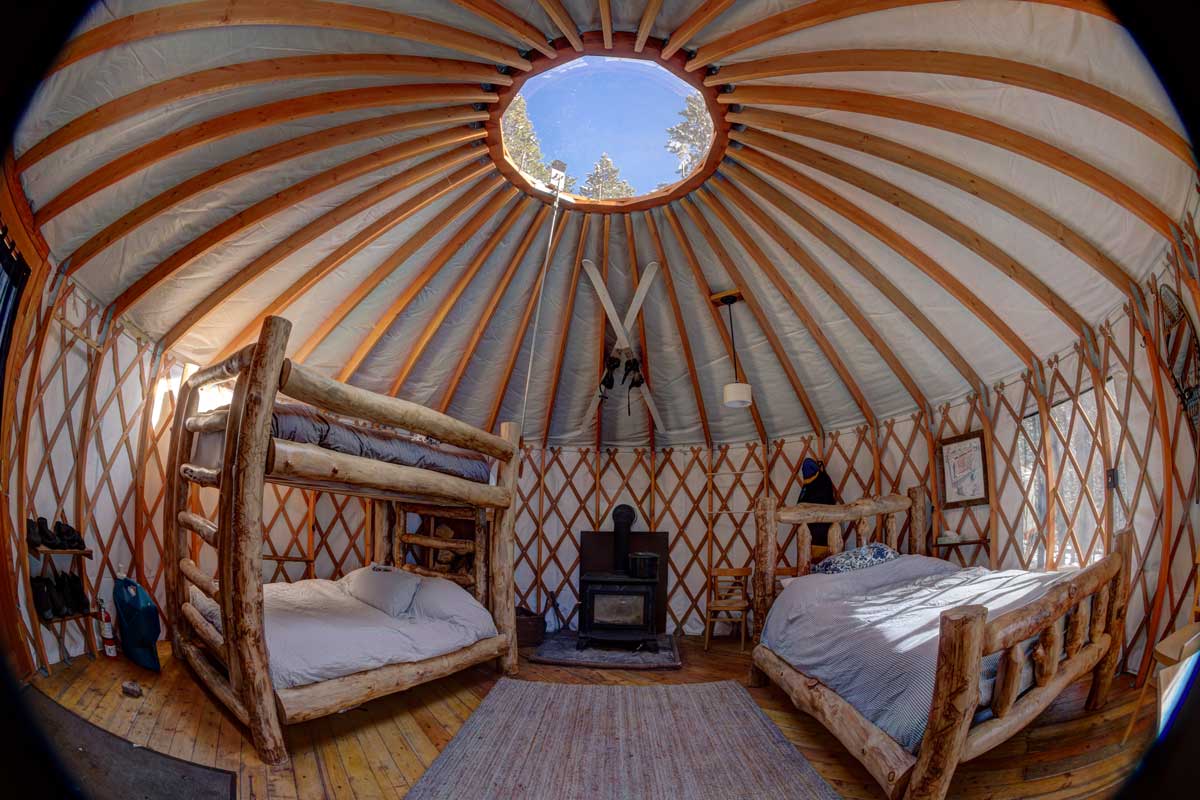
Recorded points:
(964, 470)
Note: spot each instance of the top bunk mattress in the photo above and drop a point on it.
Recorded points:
(306, 425)
(871, 635)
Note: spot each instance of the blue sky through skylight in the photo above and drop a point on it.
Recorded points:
(618, 106)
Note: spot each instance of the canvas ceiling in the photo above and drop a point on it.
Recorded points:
(1086, 46)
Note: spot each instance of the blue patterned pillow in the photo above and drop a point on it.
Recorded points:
(858, 558)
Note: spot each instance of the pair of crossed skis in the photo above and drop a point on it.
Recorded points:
(622, 327)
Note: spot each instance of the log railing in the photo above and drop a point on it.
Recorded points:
(233, 662)
(1077, 626)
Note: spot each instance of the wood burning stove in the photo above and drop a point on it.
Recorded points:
(616, 606)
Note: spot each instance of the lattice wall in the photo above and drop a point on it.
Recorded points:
(120, 421)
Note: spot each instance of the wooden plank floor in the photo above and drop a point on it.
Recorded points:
(381, 749)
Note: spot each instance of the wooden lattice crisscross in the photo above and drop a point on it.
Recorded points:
(341, 525)
(1079, 463)
(568, 511)
(680, 482)
(1020, 476)
(905, 462)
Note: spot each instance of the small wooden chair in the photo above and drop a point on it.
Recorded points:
(728, 596)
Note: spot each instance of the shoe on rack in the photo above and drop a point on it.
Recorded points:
(77, 597)
(58, 596)
(68, 537)
(41, 597)
(49, 540)
(32, 538)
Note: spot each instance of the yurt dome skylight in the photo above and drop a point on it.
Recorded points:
(626, 127)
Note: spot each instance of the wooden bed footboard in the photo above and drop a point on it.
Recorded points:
(233, 662)
(1076, 627)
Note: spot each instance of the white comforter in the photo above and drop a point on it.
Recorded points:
(316, 630)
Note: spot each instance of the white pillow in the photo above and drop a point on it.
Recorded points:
(388, 589)
(786, 582)
(443, 600)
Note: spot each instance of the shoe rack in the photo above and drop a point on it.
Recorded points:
(58, 625)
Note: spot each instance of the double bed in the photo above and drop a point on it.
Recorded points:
(917, 665)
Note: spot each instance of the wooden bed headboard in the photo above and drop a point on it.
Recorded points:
(858, 517)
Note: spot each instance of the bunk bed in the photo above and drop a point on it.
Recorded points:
(231, 658)
(984, 652)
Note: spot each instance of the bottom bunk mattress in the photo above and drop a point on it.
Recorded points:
(319, 629)
(871, 635)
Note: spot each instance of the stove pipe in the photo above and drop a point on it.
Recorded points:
(623, 517)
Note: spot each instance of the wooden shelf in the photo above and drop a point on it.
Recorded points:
(67, 618)
(965, 543)
(46, 551)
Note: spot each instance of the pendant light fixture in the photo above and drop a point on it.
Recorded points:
(736, 394)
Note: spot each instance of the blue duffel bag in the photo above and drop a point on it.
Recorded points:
(137, 623)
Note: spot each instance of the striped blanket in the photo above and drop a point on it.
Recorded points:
(871, 635)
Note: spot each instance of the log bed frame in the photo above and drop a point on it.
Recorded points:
(234, 666)
(1089, 640)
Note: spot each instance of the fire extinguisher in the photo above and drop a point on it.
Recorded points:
(106, 632)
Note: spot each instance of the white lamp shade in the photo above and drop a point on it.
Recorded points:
(737, 395)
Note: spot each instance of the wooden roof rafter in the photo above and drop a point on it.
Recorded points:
(562, 20)
(930, 215)
(602, 347)
(461, 203)
(253, 118)
(564, 334)
(202, 14)
(963, 65)
(512, 24)
(285, 198)
(895, 241)
(306, 234)
(689, 255)
(742, 176)
(823, 279)
(704, 14)
(352, 246)
(510, 362)
(644, 353)
(802, 312)
(606, 24)
(249, 73)
(821, 12)
(951, 174)
(963, 124)
(649, 15)
(462, 235)
(680, 330)
(481, 324)
(261, 159)
(446, 303)
(760, 314)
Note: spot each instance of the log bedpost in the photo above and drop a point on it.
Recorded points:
(1118, 599)
(955, 697)
(383, 531)
(479, 559)
(766, 554)
(503, 539)
(240, 514)
(918, 520)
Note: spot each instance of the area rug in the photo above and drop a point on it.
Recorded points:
(102, 765)
(560, 649)
(550, 741)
